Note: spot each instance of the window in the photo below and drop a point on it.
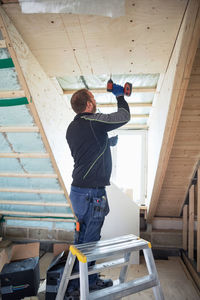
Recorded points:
(129, 164)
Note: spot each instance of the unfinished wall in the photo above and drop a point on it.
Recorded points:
(167, 109)
(185, 152)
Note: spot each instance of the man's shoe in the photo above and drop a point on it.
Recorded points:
(101, 284)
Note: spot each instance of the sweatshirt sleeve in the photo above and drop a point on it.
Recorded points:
(108, 122)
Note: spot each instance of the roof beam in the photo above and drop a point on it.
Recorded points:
(31, 191)
(139, 115)
(24, 155)
(34, 203)
(33, 218)
(12, 94)
(37, 214)
(2, 44)
(135, 104)
(104, 90)
(19, 129)
(134, 126)
(28, 175)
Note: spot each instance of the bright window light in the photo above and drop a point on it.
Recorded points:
(129, 164)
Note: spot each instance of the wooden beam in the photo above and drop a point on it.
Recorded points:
(176, 80)
(3, 44)
(28, 175)
(19, 129)
(198, 220)
(33, 203)
(24, 155)
(185, 226)
(31, 191)
(191, 223)
(33, 218)
(136, 104)
(104, 90)
(12, 94)
(134, 126)
(37, 214)
(139, 115)
(13, 56)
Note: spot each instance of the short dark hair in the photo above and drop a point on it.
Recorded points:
(79, 100)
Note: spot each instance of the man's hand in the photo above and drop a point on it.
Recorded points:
(113, 140)
(117, 90)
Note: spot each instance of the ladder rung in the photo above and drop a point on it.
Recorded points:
(103, 266)
(125, 289)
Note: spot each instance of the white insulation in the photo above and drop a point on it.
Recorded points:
(113, 8)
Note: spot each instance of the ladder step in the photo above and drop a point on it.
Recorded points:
(103, 266)
(101, 249)
(117, 291)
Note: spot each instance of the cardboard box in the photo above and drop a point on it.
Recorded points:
(55, 270)
(20, 276)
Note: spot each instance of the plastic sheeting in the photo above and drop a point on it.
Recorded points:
(95, 82)
(98, 82)
(112, 8)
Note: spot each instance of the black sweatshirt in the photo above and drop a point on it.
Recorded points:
(89, 144)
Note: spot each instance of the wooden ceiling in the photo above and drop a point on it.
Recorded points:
(139, 42)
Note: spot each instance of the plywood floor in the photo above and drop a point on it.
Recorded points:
(175, 281)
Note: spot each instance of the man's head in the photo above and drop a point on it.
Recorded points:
(83, 101)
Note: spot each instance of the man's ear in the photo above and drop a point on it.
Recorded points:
(89, 105)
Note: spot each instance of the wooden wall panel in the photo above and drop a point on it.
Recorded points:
(185, 152)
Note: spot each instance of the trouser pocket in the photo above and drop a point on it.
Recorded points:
(100, 207)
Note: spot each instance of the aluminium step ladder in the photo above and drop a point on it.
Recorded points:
(124, 246)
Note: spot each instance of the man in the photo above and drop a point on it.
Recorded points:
(90, 147)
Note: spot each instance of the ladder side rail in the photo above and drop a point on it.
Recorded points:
(124, 269)
(66, 276)
(84, 281)
(157, 290)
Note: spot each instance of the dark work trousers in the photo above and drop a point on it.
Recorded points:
(90, 206)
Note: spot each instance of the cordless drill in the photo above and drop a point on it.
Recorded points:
(127, 87)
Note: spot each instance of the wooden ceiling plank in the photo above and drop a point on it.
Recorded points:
(180, 66)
